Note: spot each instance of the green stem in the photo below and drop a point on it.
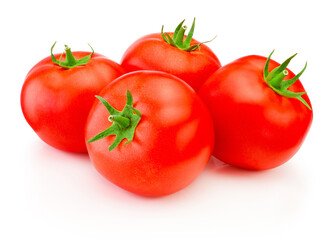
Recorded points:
(70, 60)
(124, 122)
(178, 38)
(275, 80)
(69, 56)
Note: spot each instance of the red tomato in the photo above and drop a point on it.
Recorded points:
(255, 127)
(186, 61)
(56, 101)
(173, 139)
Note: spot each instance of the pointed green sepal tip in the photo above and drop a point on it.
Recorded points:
(124, 122)
(179, 40)
(275, 79)
(70, 61)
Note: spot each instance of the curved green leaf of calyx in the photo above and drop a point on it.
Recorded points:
(186, 43)
(179, 40)
(288, 83)
(176, 31)
(163, 35)
(70, 61)
(275, 79)
(194, 47)
(304, 102)
(110, 109)
(266, 68)
(124, 122)
(284, 65)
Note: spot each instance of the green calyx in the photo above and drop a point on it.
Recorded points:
(70, 61)
(274, 80)
(123, 123)
(178, 38)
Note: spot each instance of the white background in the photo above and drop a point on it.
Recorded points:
(49, 194)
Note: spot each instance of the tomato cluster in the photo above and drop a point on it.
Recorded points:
(160, 114)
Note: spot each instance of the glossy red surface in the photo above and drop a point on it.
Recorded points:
(255, 128)
(172, 143)
(151, 52)
(56, 101)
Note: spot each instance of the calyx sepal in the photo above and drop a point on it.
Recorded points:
(274, 79)
(178, 38)
(70, 61)
(124, 122)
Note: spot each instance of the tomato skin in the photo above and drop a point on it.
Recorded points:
(173, 140)
(255, 128)
(151, 52)
(56, 101)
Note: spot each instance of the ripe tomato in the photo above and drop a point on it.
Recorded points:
(174, 53)
(56, 99)
(259, 124)
(169, 129)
